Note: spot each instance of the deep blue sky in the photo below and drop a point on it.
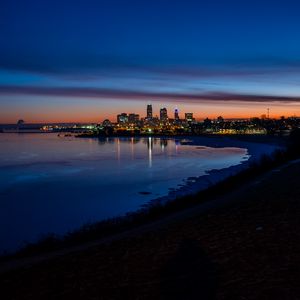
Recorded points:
(116, 55)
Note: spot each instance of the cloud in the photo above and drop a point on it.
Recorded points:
(99, 93)
(87, 65)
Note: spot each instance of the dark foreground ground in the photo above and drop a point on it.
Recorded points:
(249, 249)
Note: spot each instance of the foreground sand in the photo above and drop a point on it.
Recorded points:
(249, 249)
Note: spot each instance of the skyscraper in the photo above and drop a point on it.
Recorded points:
(133, 118)
(176, 114)
(149, 111)
(163, 114)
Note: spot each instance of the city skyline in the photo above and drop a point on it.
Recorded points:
(142, 113)
(113, 111)
(87, 61)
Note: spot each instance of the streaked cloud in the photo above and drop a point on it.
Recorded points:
(98, 94)
(87, 66)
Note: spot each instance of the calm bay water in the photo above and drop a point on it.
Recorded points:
(56, 184)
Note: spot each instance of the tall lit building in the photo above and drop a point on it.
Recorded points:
(176, 114)
(149, 111)
(189, 117)
(133, 118)
(163, 114)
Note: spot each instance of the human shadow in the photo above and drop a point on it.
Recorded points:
(190, 274)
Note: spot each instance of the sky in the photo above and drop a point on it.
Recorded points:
(85, 61)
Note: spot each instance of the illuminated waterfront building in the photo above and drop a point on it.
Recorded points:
(122, 118)
(163, 115)
(176, 114)
(133, 118)
(149, 111)
(189, 117)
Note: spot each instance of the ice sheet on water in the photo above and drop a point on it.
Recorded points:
(74, 181)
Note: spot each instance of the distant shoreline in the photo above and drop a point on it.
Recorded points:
(258, 138)
(214, 176)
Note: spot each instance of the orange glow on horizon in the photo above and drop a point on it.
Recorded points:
(96, 112)
(99, 119)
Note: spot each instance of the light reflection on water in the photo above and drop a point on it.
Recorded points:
(56, 184)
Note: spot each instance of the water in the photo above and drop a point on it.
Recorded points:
(56, 184)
